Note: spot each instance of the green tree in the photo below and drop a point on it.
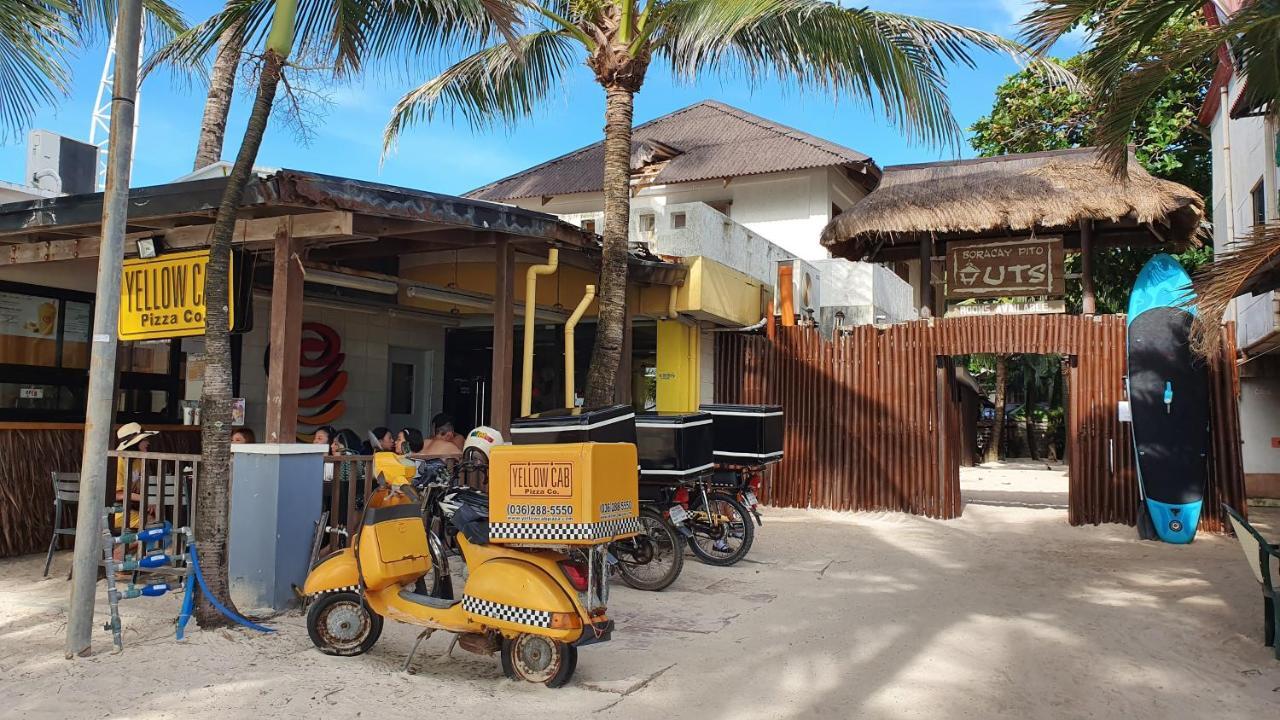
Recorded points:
(37, 37)
(347, 35)
(1136, 58)
(889, 60)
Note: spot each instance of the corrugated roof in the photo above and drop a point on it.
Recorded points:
(712, 140)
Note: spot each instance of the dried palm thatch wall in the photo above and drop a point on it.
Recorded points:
(26, 491)
(1035, 192)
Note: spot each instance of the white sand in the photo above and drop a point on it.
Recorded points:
(1007, 612)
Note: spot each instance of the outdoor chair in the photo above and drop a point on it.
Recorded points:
(66, 491)
(1264, 558)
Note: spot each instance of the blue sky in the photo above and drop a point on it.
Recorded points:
(452, 158)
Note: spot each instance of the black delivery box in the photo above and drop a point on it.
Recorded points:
(673, 446)
(746, 434)
(613, 423)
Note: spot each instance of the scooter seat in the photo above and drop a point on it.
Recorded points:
(427, 600)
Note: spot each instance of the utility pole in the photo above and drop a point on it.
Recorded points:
(100, 408)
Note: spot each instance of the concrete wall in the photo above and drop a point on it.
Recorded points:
(366, 337)
(79, 275)
(1252, 159)
(789, 209)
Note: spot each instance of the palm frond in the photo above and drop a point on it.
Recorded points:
(34, 39)
(94, 20)
(892, 61)
(499, 84)
(1252, 266)
(1127, 30)
(350, 33)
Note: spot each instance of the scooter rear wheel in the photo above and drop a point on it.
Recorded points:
(539, 659)
(342, 624)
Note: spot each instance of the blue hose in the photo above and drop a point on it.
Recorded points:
(229, 614)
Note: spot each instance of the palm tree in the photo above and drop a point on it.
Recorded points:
(36, 40)
(347, 35)
(1121, 28)
(217, 104)
(884, 59)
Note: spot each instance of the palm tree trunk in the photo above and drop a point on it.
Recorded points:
(214, 489)
(612, 298)
(997, 430)
(217, 105)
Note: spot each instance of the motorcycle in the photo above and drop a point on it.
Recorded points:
(533, 607)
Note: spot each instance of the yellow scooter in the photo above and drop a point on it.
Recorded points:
(535, 603)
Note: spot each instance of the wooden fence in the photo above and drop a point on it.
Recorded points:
(874, 420)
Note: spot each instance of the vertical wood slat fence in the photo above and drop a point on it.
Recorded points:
(874, 422)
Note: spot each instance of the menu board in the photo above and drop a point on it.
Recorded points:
(28, 330)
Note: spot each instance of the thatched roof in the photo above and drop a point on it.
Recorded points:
(1044, 193)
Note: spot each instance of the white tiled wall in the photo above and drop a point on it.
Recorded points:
(365, 339)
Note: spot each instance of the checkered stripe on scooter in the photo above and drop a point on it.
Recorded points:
(508, 613)
(564, 531)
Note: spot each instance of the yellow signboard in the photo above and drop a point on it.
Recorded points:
(163, 297)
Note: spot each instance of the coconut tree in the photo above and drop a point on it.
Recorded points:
(894, 62)
(37, 38)
(346, 34)
(217, 103)
(1122, 29)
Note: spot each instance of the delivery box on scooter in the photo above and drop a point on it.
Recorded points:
(563, 494)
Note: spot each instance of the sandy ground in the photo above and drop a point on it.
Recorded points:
(1007, 612)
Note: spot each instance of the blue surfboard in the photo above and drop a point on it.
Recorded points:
(1169, 398)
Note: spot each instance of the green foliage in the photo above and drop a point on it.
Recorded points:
(1032, 112)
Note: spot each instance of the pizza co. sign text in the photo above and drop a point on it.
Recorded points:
(1010, 268)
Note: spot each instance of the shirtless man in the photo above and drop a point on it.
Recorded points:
(445, 441)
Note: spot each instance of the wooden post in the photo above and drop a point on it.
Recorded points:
(1088, 302)
(926, 276)
(286, 340)
(503, 333)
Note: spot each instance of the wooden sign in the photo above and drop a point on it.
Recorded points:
(1005, 268)
(1034, 307)
(163, 297)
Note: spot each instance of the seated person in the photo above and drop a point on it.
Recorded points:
(380, 440)
(445, 441)
(442, 426)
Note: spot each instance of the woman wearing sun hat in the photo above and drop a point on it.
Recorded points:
(131, 436)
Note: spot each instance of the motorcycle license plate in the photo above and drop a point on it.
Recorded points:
(678, 514)
(751, 499)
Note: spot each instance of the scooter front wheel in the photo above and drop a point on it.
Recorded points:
(538, 659)
(342, 624)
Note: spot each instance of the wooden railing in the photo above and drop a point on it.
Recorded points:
(160, 487)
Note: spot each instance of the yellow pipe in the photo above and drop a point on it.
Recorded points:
(578, 312)
(530, 309)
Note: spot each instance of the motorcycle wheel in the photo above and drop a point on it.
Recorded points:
(729, 541)
(342, 624)
(653, 568)
(538, 659)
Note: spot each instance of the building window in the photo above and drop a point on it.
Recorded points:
(401, 400)
(723, 207)
(677, 221)
(44, 361)
(1259, 197)
(647, 223)
(589, 225)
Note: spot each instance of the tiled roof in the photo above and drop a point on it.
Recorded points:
(710, 140)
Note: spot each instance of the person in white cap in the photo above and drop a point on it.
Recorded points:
(131, 436)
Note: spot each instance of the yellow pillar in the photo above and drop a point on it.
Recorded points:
(678, 370)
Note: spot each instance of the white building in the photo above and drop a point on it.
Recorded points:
(1245, 187)
(722, 183)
